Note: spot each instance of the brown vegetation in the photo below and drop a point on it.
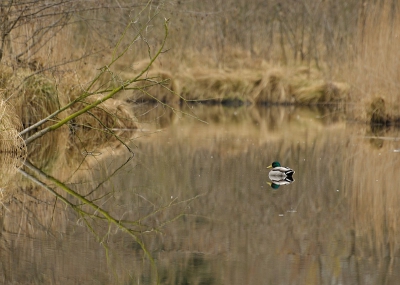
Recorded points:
(373, 70)
(374, 197)
(103, 122)
(247, 52)
(12, 147)
(244, 51)
(263, 84)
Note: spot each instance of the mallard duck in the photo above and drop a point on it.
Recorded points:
(280, 173)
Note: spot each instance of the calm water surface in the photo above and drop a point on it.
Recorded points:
(196, 194)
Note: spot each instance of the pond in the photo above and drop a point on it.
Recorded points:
(196, 197)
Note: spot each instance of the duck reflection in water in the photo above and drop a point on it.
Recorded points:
(279, 175)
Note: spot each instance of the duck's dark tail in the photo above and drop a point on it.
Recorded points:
(289, 173)
(289, 179)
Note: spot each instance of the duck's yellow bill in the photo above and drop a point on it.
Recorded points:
(270, 166)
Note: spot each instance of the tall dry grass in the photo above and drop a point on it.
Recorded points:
(374, 68)
(261, 84)
(245, 51)
(205, 37)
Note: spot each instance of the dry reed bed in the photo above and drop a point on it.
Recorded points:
(349, 41)
(265, 85)
(373, 68)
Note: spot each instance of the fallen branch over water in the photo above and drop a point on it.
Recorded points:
(88, 92)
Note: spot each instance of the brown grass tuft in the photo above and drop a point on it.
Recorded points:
(34, 97)
(100, 123)
(274, 88)
(377, 111)
(319, 91)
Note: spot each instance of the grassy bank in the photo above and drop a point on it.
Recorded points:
(260, 84)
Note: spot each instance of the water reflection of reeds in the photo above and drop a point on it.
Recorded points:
(332, 223)
(374, 182)
(239, 217)
(326, 231)
(64, 239)
(163, 116)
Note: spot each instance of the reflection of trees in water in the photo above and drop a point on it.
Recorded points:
(234, 228)
(96, 215)
(327, 218)
(195, 268)
(263, 117)
(374, 182)
(378, 134)
(156, 114)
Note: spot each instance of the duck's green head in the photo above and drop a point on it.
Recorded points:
(273, 185)
(274, 164)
